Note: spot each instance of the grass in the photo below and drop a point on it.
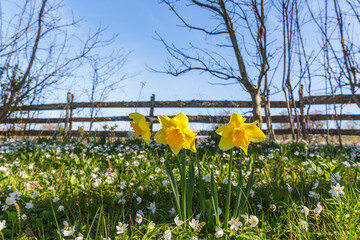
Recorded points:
(103, 183)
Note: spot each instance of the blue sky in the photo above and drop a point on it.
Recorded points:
(136, 23)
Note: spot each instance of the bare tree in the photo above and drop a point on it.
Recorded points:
(349, 59)
(38, 50)
(233, 22)
(340, 51)
(304, 60)
(289, 14)
(105, 78)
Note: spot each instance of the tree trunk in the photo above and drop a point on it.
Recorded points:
(256, 106)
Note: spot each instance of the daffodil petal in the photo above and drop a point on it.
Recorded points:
(189, 138)
(146, 137)
(236, 119)
(136, 117)
(226, 143)
(225, 131)
(181, 120)
(175, 150)
(160, 137)
(144, 125)
(221, 130)
(190, 133)
(192, 146)
(244, 149)
(254, 132)
(165, 121)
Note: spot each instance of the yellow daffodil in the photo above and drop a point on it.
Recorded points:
(61, 129)
(237, 133)
(176, 133)
(81, 130)
(140, 126)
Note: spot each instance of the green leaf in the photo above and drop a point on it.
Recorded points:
(246, 193)
(214, 195)
(173, 186)
(238, 192)
(201, 190)
(12, 216)
(190, 189)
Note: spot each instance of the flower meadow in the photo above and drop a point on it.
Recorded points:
(230, 185)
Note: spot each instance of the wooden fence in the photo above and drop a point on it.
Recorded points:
(152, 105)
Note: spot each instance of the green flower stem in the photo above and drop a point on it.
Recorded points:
(227, 208)
(57, 225)
(239, 193)
(214, 195)
(201, 190)
(341, 210)
(190, 188)
(183, 185)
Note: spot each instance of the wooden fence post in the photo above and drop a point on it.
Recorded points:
(302, 117)
(152, 106)
(67, 110)
(71, 113)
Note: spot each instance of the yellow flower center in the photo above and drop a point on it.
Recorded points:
(136, 128)
(240, 137)
(174, 137)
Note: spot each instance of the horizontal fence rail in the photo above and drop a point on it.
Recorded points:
(302, 120)
(337, 99)
(331, 132)
(158, 104)
(195, 119)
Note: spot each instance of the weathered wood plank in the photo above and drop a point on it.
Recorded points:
(54, 132)
(349, 132)
(197, 119)
(338, 99)
(142, 104)
(333, 132)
